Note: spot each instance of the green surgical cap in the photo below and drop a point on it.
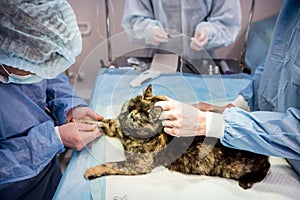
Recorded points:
(40, 36)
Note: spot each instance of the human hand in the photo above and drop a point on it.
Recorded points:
(212, 108)
(82, 113)
(181, 119)
(158, 35)
(76, 135)
(200, 39)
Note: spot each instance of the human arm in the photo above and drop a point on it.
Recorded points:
(139, 20)
(27, 136)
(268, 133)
(221, 27)
(180, 119)
(66, 106)
(61, 98)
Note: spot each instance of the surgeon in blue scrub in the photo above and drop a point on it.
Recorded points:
(210, 24)
(272, 127)
(39, 40)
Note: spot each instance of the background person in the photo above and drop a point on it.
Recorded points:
(211, 24)
(38, 41)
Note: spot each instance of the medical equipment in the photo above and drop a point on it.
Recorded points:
(161, 63)
(145, 77)
(216, 70)
(225, 68)
(137, 64)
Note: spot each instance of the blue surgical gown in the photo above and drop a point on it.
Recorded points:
(274, 127)
(223, 17)
(28, 141)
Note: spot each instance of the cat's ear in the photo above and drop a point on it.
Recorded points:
(148, 93)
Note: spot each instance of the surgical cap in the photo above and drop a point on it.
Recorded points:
(40, 36)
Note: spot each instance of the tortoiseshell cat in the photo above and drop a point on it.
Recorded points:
(147, 146)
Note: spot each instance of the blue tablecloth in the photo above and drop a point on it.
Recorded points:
(110, 92)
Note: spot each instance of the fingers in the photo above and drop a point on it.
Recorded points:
(170, 110)
(171, 123)
(77, 135)
(170, 131)
(93, 115)
(197, 45)
(85, 127)
(82, 113)
(167, 105)
(158, 35)
(88, 137)
(200, 39)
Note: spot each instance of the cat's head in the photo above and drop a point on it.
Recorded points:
(139, 116)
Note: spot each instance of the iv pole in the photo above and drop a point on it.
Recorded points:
(108, 31)
(243, 64)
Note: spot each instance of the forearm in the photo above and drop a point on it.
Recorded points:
(25, 156)
(268, 133)
(61, 98)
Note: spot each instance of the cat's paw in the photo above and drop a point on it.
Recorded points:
(245, 185)
(89, 174)
(93, 172)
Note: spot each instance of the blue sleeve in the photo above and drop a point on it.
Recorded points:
(224, 21)
(61, 97)
(138, 19)
(268, 133)
(25, 156)
(28, 141)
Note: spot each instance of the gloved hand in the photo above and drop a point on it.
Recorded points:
(158, 35)
(181, 119)
(82, 113)
(76, 135)
(200, 39)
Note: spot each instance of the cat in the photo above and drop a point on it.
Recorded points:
(147, 146)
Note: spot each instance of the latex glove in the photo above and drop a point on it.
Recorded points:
(77, 135)
(82, 113)
(158, 35)
(200, 39)
(212, 108)
(181, 119)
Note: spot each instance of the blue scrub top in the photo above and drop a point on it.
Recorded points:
(274, 128)
(28, 141)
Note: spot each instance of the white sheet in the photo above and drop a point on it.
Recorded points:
(281, 183)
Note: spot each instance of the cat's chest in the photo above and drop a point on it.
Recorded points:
(140, 145)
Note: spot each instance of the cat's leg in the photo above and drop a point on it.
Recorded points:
(135, 164)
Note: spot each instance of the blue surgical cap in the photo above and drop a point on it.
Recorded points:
(40, 36)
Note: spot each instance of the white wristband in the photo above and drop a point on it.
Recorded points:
(241, 103)
(214, 125)
(57, 131)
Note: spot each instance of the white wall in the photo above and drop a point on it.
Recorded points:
(95, 46)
